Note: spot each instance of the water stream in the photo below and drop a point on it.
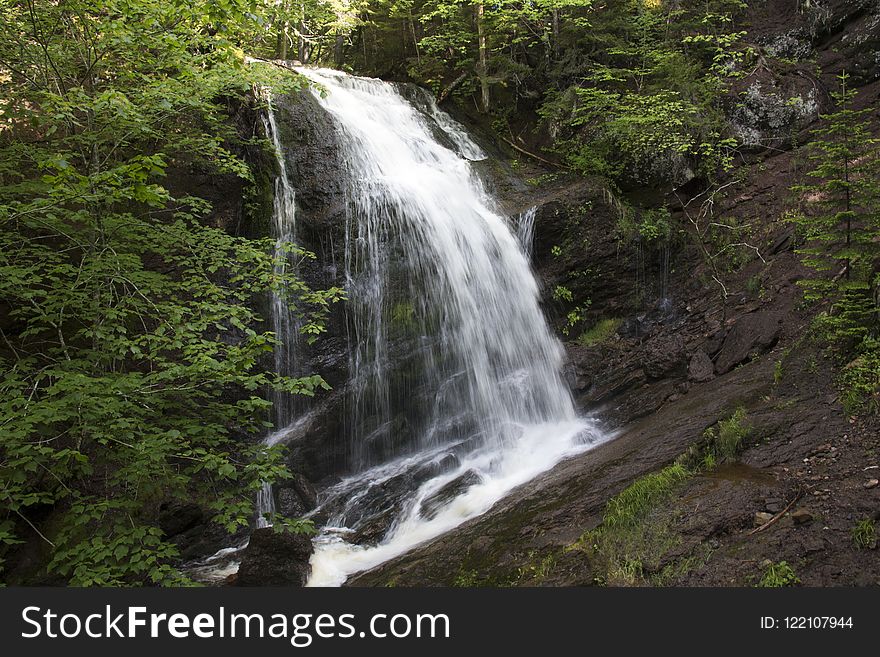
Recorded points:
(455, 386)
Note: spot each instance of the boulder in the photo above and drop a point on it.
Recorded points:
(374, 527)
(700, 368)
(663, 355)
(752, 334)
(275, 559)
(295, 497)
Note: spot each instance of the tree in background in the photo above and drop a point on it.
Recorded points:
(647, 94)
(840, 226)
(129, 352)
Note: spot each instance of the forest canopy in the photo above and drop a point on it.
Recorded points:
(133, 349)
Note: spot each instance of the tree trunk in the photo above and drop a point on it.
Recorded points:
(282, 41)
(412, 27)
(338, 50)
(483, 65)
(556, 35)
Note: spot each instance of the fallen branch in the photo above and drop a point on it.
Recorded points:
(525, 152)
(39, 533)
(452, 86)
(276, 62)
(775, 518)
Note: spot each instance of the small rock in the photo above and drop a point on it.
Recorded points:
(872, 483)
(762, 518)
(801, 516)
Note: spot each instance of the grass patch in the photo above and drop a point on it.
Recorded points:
(721, 443)
(536, 570)
(778, 575)
(600, 333)
(629, 543)
(728, 438)
(633, 502)
(864, 534)
(637, 531)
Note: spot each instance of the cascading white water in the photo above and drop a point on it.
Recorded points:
(525, 230)
(456, 391)
(284, 323)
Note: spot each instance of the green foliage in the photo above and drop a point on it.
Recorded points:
(864, 534)
(655, 225)
(651, 227)
(600, 333)
(860, 378)
(562, 293)
(647, 94)
(635, 532)
(724, 442)
(129, 350)
(630, 505)
(778, 575)
(839, 223)
(624, 87)
(574, 316)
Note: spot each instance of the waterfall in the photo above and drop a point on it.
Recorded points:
(284, 323)
(455, 392)
(525, 230)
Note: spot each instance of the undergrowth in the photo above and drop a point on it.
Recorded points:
(631, 544)
(778, 575)
(600, 333)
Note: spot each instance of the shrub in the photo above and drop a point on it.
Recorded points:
(778, 575)
(864, 534)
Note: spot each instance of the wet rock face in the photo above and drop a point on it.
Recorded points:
(295, 497)
(319, 448)
(387, 498)
(275, 559)
(751, 335)
(839, 33)
(432, 505)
